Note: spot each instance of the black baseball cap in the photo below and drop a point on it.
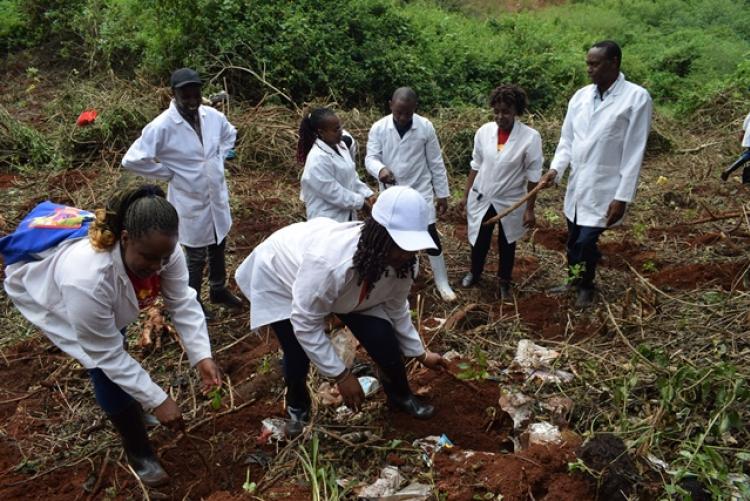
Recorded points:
(185, 76)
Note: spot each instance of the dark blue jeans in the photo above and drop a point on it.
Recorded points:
(583, 250)
(741, 160)
(482, 246)
(110, 397)
(375, 334)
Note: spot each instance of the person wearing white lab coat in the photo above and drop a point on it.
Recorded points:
(351, 145)
(403, 149)
(362, 272)
(330, 185)
(186, 145)
(603, 140)
(744, 158)
(506, 162)
(82, 293)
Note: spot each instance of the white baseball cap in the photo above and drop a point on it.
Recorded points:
(403, 212)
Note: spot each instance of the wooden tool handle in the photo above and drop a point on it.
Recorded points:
(495, 219)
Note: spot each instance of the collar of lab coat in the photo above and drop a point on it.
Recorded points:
(613, 90)
(391, 125)
(327, 149)
(174, 114)
(121, 272)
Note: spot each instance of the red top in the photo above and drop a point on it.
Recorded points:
(502, 138)
(146, 289)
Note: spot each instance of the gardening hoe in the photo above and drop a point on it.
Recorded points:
(513, 207)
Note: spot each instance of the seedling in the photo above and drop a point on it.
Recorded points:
(265, 365)
(550, 216)
(649, 267)
(248, 486)
(575, 272)
(474, 369)
(215, 395)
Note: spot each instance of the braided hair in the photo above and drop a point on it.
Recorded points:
(511, 95)
(308, 131)
(372, 251)
(137, 210)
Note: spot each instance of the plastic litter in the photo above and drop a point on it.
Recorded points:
(542, 434)
(387, 484)
(535, 361)
(328, 395)
(345, 345)
(272, 429)
(518, 406)
(86, 118)
(430, 445)
(369, 385)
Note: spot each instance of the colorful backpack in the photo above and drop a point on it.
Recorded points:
(45, 227)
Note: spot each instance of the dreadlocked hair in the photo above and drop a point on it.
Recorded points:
(372, 251)
(137, 210)
(308, 131)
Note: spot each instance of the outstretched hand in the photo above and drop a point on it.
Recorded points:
(434, 361)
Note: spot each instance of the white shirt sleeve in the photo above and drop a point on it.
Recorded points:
(319, 178)
(476, 154)
(534, 159)
(93, 320)
(634, 147)
(374, 157)
(314, 291)
(434, 157)
(562, 157)
(228, 136)
(182, 304)
(141, 157)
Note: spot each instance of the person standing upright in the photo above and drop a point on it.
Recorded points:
(186, 145)
(603, 140)
(403, 149)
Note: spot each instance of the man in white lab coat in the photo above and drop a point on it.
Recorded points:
(186, 146)
(403, 149)
(603, 140)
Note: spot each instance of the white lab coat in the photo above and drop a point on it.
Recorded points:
(415, 160)
(304, 272)
(81, 298)
(604, 148)
(502, 176)
(330, 185)
(746, 128)
(170, 149)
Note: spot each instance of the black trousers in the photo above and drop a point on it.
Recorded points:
(482, 246)
(217, 267)
(375, 334)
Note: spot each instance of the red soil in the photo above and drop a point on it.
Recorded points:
(548, 317)
(537, 473)
(551, 238)
(462, 413)
(703, 275)
(6, 180)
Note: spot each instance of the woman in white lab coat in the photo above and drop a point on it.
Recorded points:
(363, 273)
(86, 291)
(506, 162)
(330, 185)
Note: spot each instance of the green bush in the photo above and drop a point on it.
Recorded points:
(357, 51)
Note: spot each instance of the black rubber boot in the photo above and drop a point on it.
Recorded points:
(297, 407)
(504, 291)
(224, 296)
(396, 388)
(130, 425)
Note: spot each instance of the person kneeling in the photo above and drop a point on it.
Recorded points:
(363, 273)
